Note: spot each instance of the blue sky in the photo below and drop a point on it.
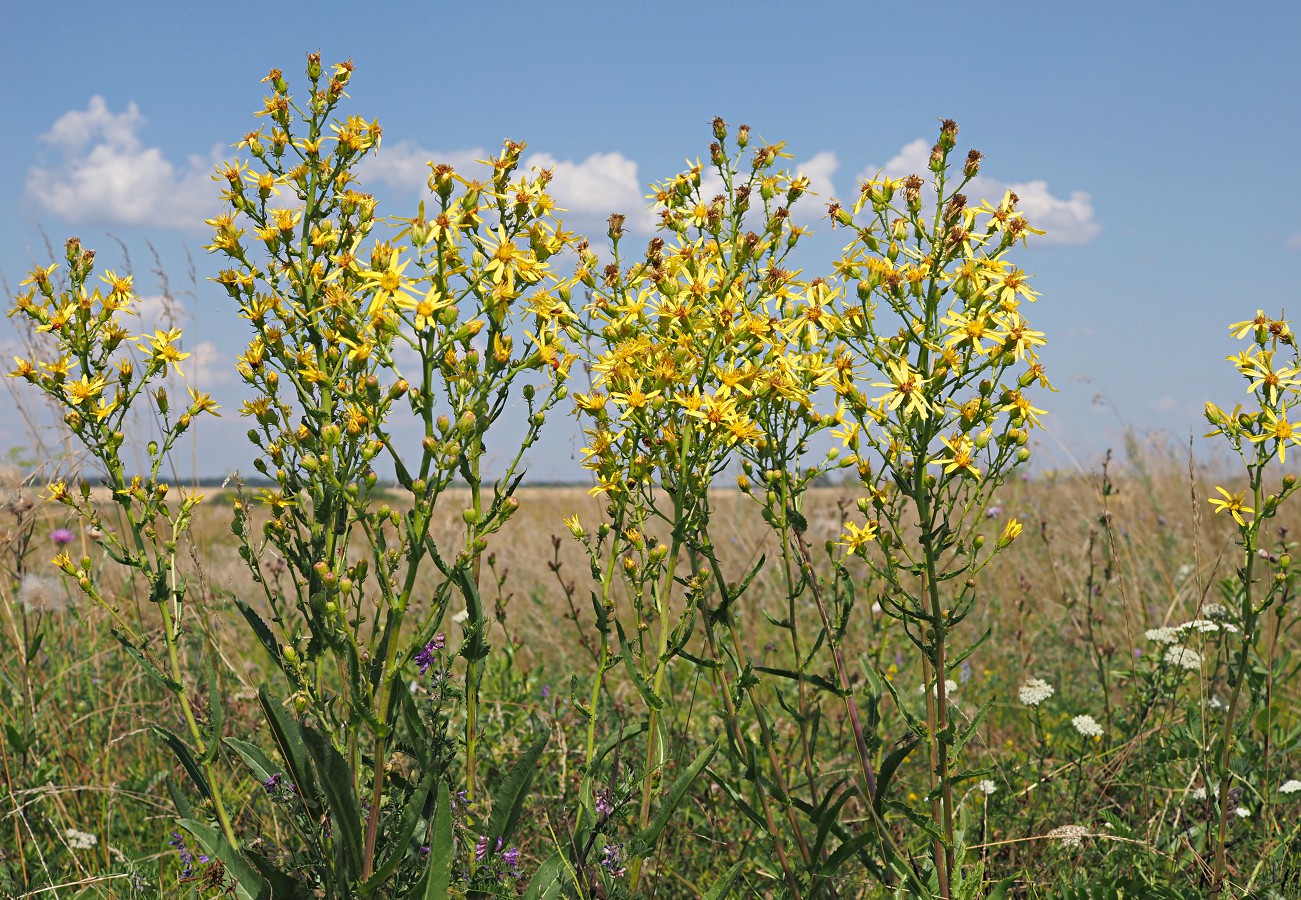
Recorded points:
(1157, 142)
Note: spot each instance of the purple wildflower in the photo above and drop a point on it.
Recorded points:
(272, 783)
(187, 859)
(611, 857)
(511, 859)
(603, 806)
(481, 848)
(546, 691)
(425, 656)
(62, 536)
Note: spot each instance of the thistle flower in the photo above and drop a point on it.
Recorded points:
(41, 593)
(62, 536)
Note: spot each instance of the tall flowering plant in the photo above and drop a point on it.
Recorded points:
(938, 329)
(1258, 434)
(448, 317)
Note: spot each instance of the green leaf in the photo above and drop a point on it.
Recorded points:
(724, 885)
(260, 630)
(890, 765)
(508, 799)
(179, 800)
(255, 758)
(647, 692)
(216, 709)
(150, 669)
(645, 839)
(186, 757)
(249, 885)
(337, 785)
(546, 882)
(288, 735)
(438, 873)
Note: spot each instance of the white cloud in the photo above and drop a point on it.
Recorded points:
(207, 366)
(602, 184)
(588, 191)
(405, 165)
(820, 169)
(100, 172)
(1066, 221)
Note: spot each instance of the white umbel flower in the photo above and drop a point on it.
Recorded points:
(1163, 635)
(1035, 691)
(1087, 726)
(1291, 786)
(1069, 835)
(80, 840)
(1183, 658)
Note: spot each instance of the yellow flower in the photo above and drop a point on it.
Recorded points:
(1011, 531)
(855, 538)
(85, 389)
(1278, 428)
(1234, 504)
(163, 349)
(960, 458)
(1242, 329)
(906, 389)
(389, 284)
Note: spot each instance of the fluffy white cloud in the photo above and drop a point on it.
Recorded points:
(820, 169)
(100, 172)
(1066, 221)
(405, 164)
(602, 184)
(588, 191)
(207, 366)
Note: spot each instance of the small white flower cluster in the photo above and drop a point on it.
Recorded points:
(1087, 726)
(1291, 786)
(1183, 658)
(80, 840)
(1206, 626)
(1198, 793)
(1216, 611)
(986, 787)
(1069, 835)
(1182, 573)
(1035, 691)
(950, 688)
(1163, 635)
(1242, 812)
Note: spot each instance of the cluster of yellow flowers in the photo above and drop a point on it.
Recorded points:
(475, 270)
(92, 371)
(712, 345)
(1274, 385)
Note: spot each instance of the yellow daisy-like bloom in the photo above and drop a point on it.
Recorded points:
(960, 457)
(390, 285)
(1265, 379)
(162, 348)
(905, 389)
(1234, 504)
(1242, 329)
(1280, 429)
(855, 538)
(506, 262)
(85, 389)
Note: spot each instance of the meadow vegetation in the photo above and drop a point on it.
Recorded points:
(914, 665)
